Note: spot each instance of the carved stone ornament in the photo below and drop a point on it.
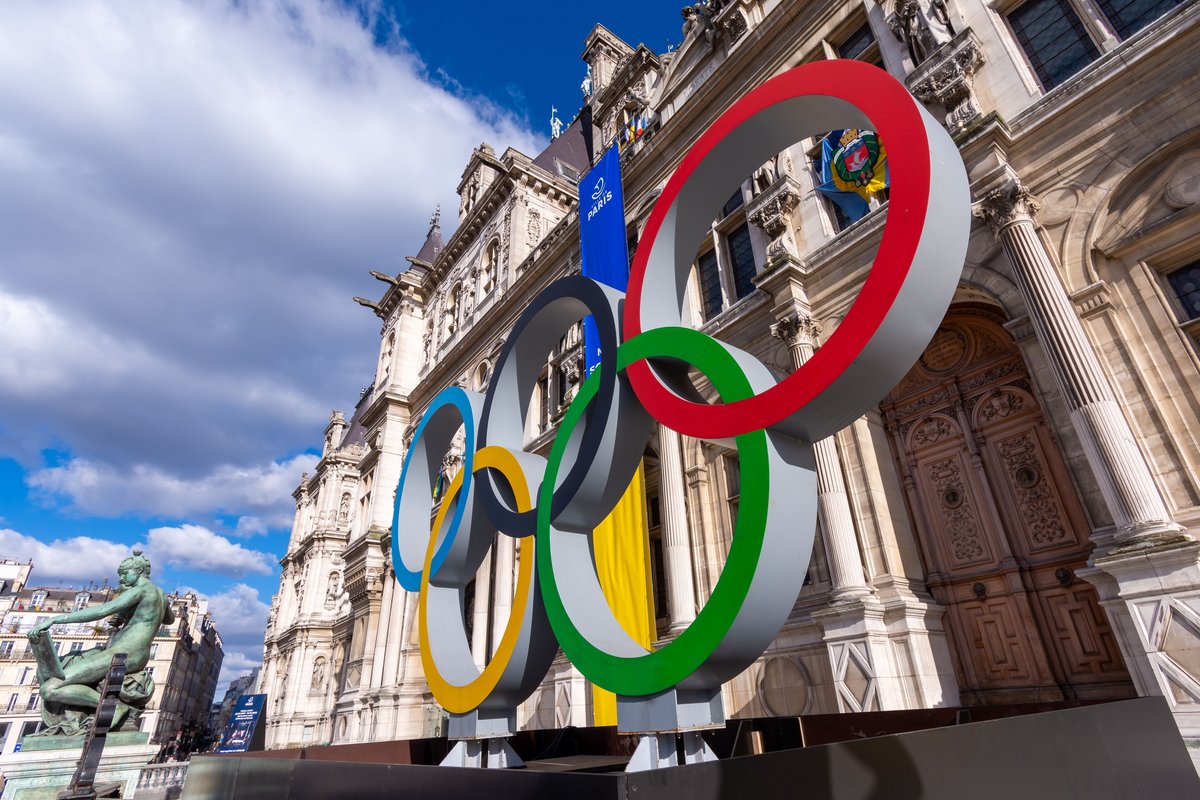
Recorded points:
(733, 23)
(1008, 204)
(771, 210)
(534, 230)
(698, 21)
(797, 329)
(945, 78)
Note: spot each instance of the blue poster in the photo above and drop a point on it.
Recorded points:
(602, 238)
(239, 731)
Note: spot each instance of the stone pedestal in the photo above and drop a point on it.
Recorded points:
(887, 656)
(1152, 596)
(44, 766)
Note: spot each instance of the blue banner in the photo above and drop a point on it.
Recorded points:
(239, 732)
(602, 238)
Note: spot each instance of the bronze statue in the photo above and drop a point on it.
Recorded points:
(70, 685)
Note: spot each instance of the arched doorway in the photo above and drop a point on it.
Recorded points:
(1000, 525)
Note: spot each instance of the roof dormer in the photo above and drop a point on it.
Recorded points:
(482, 170)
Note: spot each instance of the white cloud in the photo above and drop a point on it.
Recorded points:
(196, 548)
(239, 612)
(193, 190)
(241, 619)
(77, 559)
(103, 490)
(251, 526)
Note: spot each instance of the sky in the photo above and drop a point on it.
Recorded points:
(191, 191)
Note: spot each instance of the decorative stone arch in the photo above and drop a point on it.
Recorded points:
(1000, 525)
(932, 429)
(489, 265)
(1124, 200)
(481, 375)
(981, 283)
(1001, 404)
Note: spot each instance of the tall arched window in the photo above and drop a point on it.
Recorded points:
(491, 262)
(453, 303)
(385, 358)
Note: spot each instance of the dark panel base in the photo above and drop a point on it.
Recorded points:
(1127, 749)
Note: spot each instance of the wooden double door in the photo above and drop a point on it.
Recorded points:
(1000, 526)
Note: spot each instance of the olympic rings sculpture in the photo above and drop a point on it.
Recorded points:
(551, 504)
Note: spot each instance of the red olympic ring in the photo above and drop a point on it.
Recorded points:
(895, 115)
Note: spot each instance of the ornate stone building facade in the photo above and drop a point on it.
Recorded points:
(1015, 522)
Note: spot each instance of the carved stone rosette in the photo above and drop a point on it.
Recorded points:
(772, 211)
(945, 78)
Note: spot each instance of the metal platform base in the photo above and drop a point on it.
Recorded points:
(1128, 749)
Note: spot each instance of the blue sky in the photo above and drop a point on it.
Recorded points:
(193, 190)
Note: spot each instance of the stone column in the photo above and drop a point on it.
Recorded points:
(833, 504)
(372, 612)
(395, 637)
(503, 595)
(483, 599)
(677, 546)
(1129, 490)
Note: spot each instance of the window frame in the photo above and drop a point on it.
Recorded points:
(717, 245)
(1099, 28)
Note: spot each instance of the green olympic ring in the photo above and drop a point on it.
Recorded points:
(635, 671)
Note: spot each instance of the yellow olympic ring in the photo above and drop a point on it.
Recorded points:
(463, 699)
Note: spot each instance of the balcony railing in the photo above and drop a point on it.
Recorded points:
(155, 779)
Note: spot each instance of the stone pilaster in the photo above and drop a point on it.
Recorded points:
(1133, 499)
(677, 546)
(384, 630)
(395, 636)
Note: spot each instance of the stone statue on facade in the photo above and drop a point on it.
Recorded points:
(698, 20)
(586, 85)
(70, 685)
(922, 27)
(556, 124)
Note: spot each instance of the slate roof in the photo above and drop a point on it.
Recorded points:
(356, 432)
(569, 149)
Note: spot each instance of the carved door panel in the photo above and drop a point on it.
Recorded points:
(999, 525)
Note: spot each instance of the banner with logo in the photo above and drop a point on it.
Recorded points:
(602, 238)
(239, 735)
(621, 542)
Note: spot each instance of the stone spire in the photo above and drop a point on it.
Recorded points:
(433, 241)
